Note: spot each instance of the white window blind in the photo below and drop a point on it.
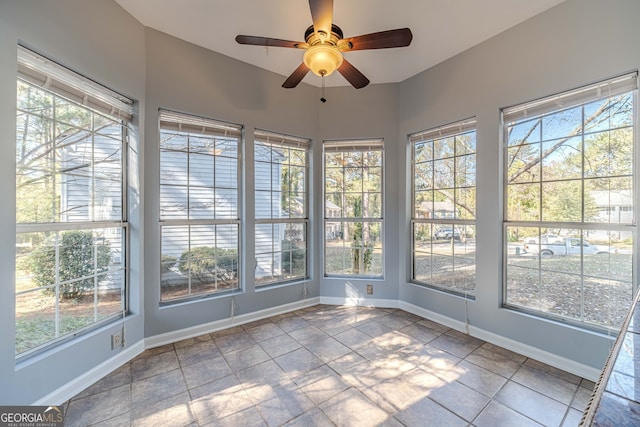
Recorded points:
(444, 131)
(178, 122)
(267, 137)
(607, 88)
(359, 145)
(44, 73)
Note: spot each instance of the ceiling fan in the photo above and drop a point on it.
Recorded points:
(325, 43)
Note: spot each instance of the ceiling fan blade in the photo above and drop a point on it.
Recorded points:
(266, 41)
(353, 76)
(296, 77)
(383, 40)
(322, 15)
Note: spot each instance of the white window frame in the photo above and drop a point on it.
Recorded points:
(459, 226)
(273, 141)
(539, 109)
(361, 145)
(199, 228)
(62, 83)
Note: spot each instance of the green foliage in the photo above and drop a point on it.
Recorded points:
(293, 258)
(206, 263)
(76, 252)
(166, 262)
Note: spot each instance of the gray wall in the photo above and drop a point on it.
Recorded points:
(371, 112)
(575, 43)
(81, 36)
(578, 42)
(186, 78)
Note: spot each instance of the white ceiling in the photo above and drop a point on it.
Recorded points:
(441, 29)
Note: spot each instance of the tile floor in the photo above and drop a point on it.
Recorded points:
(333, 365)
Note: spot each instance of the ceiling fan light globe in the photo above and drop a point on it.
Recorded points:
(322, 59)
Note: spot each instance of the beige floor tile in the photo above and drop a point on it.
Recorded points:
(498, 415)
(321, 384)
(314, 417)
(426, 411)
(353, 338)
(173, 411)
(351, 408)
(460, 399)
(546, 383)
(374, 328)
(287, 404)
(497, 360)
(291, 324)
(249, 417)
(298, 362)
(277, 346)
(219, 399)
(232, 342)
(420, 332)
(267, 372)
(479, 379)
(456, 344)
(117, 378)
(581, 398)
(205, 371)
(572, 418)
(191, 341)
(154, 365)
(99, 407)
(265, 331)
(308, 335)
(534, 405)
(158, 387)
(197, 352)
(329, 365)
(328, 349)
(246, 357)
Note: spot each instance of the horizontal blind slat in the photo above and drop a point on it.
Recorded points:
(179, 122)
(266, 137)
(351, 146)
(444, 131)
(608, 88)
(48, 75)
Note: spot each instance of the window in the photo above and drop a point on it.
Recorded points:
(568, 166)
(353, 213)
(199, 212)
(71, 216)
(444, 207)
(281, 203)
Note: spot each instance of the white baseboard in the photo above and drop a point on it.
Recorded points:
(80, 383)
(360, 302)
(89, 378)
(206, 328)
(67, 391)
(567, 365)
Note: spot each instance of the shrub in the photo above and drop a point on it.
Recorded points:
(76, 260)
(166, 262)
(206, 263)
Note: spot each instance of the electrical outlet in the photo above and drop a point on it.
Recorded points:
(369, 289)
(116, 340)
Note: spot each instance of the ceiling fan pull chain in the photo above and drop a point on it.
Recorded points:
(323, 99)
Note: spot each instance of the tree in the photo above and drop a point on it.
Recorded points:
(55, 143)
(586, 152)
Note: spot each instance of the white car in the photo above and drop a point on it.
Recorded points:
(565, 246)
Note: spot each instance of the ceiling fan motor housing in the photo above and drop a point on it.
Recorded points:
(323, 56)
